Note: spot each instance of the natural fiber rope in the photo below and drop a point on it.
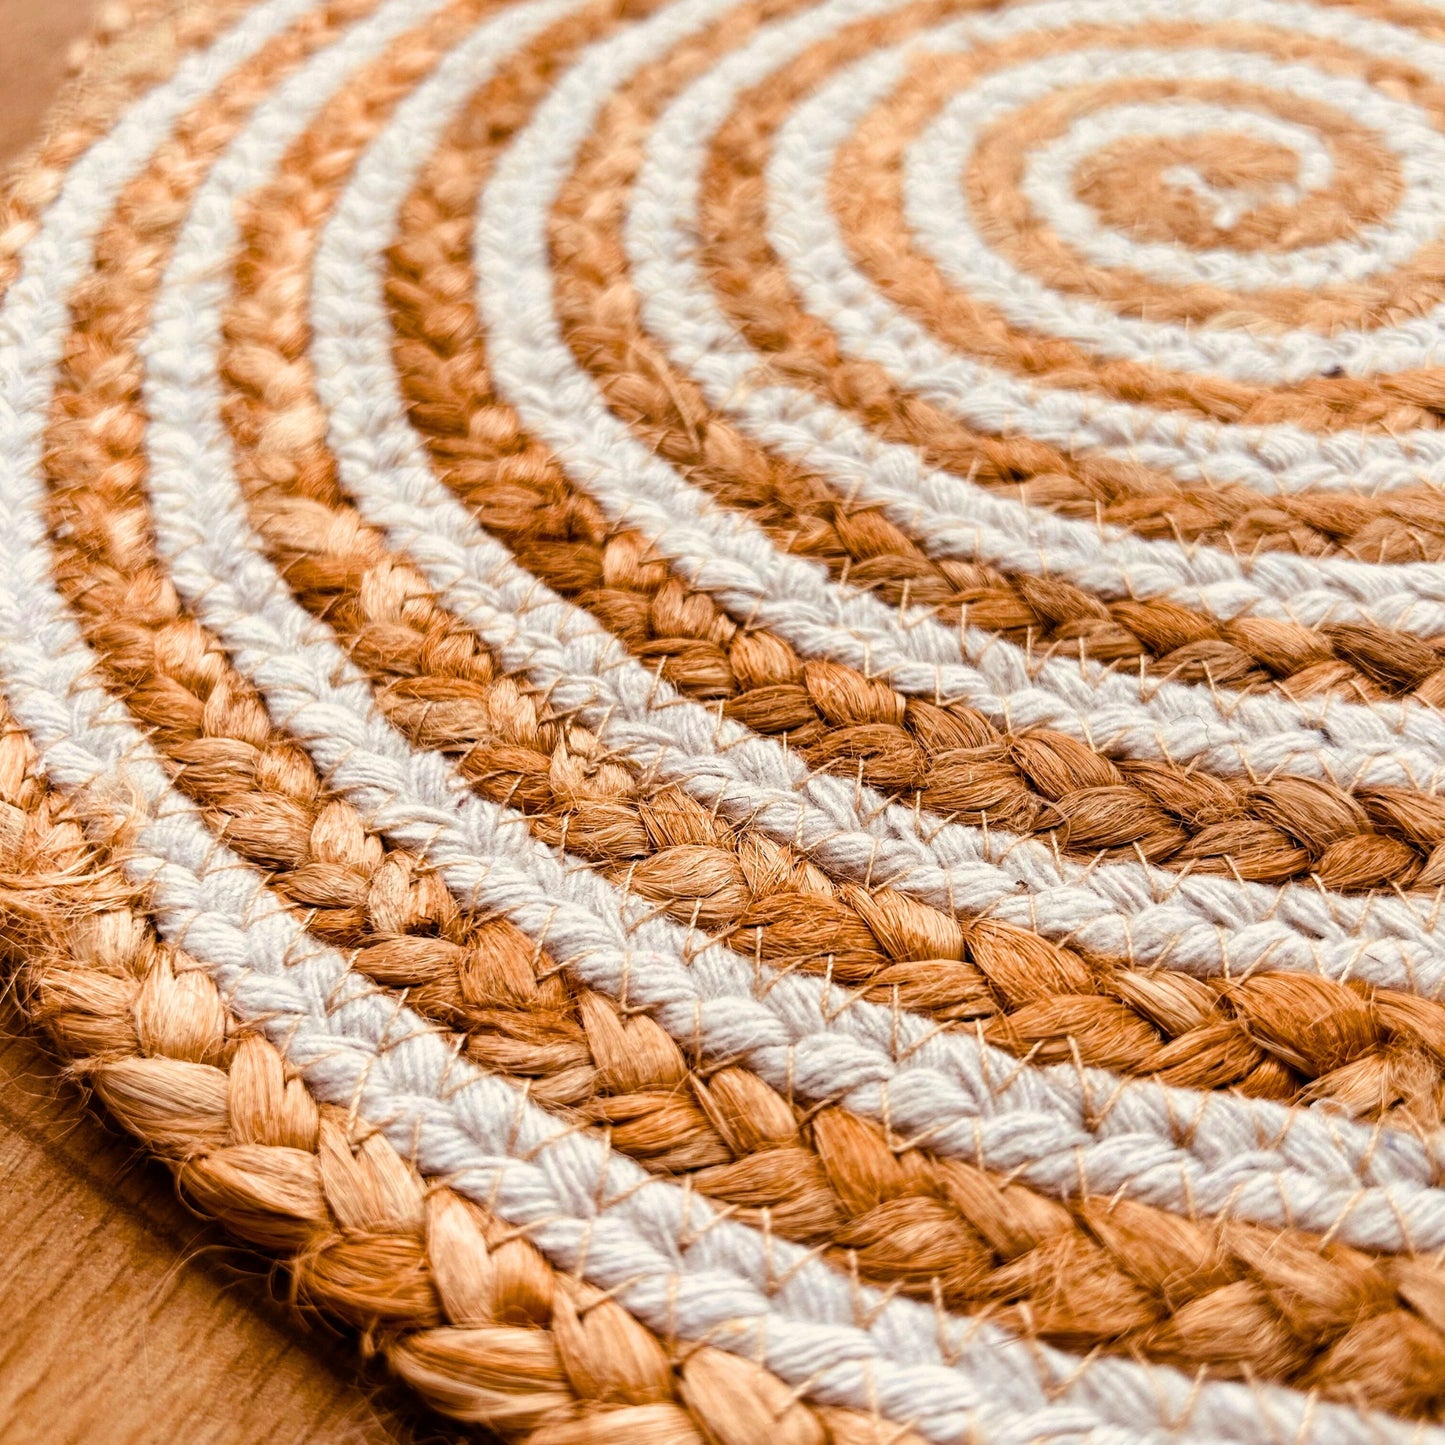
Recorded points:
(721, 850)
(461, 1307)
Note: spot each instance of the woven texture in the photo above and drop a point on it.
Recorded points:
(731, 711)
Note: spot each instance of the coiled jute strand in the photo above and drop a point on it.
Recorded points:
(476, 751)
(442, 958)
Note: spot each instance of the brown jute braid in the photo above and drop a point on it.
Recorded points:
(752, 1111)
(951, 758)
(1409, 399)
(743, 1144)
(1407, 525)
(804, 512)
(459, 1305)
(442, 688)
(474, 1318)
(464, 1309)
(341, 570)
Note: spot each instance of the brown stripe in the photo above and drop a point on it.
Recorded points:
(1125, 182)
(462, 1307)
(802, 512)
(773, 692)
(755, 291)
(993, 181)
(1026, 1239)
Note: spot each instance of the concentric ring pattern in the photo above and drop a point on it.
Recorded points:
(732, 709)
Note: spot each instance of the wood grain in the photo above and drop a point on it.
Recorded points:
(124, 1319)
(35, 36)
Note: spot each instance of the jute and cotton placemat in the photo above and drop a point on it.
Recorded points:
(731, 710)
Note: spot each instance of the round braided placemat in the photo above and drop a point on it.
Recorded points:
(731, 710)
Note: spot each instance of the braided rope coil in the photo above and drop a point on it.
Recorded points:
(741, 745)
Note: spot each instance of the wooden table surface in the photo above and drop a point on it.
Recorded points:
(124, 1319)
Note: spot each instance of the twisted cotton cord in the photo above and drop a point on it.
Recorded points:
(519, 1014)
(305, 685)
(460, 1306)
(346, 1034)
(953, 759)
(31, 702)
(802, 511)
(729, 556)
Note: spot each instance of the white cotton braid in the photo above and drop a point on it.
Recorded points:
(1199, 923)
(1280, 458)
(963, 1098)
(1049, 182)
(1268, 359)
(952, 517)
(943, 510)
(385, 469)
(660, 1250)
(728, 556)
(961, 1084)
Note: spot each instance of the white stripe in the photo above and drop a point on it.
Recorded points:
(727, 555)
(948, 512)
(1050, 183)
(1199, 923)
(384, 466)
(995, 1107)
(1270, 458)
(956, 518)
(939, 208)
(660, 1250)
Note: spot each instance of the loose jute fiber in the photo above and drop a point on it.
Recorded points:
(731, 709)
